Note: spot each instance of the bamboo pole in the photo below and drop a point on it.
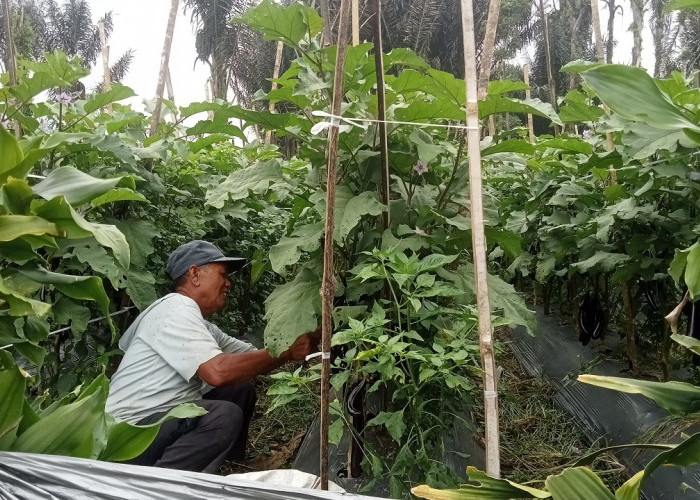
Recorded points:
(11, 55)
(106, 76)
(328, 286)
(164, 61)
(526, 78)
(479, 245)
(356, 22)
(275, 76)
(381, 111)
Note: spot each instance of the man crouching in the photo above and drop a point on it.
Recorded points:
(172, 355)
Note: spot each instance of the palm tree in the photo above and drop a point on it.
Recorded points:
(689, 38)
(664, 31)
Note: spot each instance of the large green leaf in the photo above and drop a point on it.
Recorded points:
(68, 430)
(692, 271)
(21, 305)
(12, 153)
(288, 250)
(349, 209)
(140, 285)
(75, 226)
(126, 441)
(75, 287)
(56, 70)
(257, 178)
(12, 385)
(290, 24)
(16, 196)
(481, 486)
(290, 310)
(601, 261)
(498, 104)
(633, 94)
(579, 483)
(685, 454)
(14, 226)
(682, 4)
(687, 342)
(502, 296)
(77, 187)
(676, 397)
(116, 93)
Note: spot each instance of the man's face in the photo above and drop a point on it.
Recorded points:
(214, 284)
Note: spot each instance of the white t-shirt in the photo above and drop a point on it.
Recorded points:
(163, 349)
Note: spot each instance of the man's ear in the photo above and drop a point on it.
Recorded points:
(193, 271)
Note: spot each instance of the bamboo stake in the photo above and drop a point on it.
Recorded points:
(526, 78)
(550, 77)
(106, 77)
(328, 286)
(11, 56)
(381, 111)
(479, 245)
(164, 61)
(356, 22)
(275, 76)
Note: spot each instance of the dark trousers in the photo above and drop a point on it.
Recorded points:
(202, 443)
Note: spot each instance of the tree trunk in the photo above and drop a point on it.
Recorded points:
(630, 329)
(610, 42)
(164, 62)
(550, 76)
(636, 28)
(327, 29)
(597, 33)
(488, 48)
(488, 361)
(219, 80)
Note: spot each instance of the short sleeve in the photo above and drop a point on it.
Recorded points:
(182, 339)
(228, 343)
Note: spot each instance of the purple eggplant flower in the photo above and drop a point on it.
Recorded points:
(64, 98)
(420, 168)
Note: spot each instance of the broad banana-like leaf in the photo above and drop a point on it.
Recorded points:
(21, 305)
(579, 483)
(14, 226)
(16, 196)
(632, 94)
(78, 187)
(684, 454)
(483, 487)
(12, 154)
(676, 397)
(12, 385)
(67, 431)
(590, 458)
(126, 441)
(75, 287)
(67, 219)
(687, 342)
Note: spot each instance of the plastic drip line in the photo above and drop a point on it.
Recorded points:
(90, 321)
(324, 355)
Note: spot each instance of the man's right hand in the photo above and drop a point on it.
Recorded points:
(304, 345)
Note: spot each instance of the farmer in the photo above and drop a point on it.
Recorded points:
(173, 355)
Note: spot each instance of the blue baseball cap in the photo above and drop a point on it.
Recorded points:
(198, 253)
